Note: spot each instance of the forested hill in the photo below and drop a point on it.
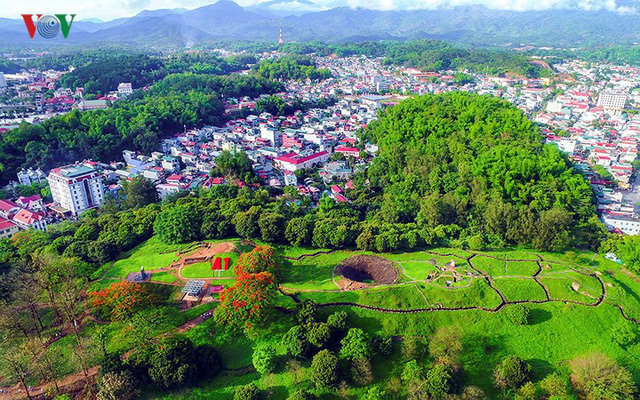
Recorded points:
(476, 166)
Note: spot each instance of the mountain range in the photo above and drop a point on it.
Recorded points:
(226, 20)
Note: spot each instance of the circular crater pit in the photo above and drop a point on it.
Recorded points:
(368, 269)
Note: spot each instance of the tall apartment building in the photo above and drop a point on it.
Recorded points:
(612, 100)
(76, 188)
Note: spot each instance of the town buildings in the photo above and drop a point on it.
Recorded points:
(76, 188)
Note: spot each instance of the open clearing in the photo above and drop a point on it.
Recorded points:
(575, 303)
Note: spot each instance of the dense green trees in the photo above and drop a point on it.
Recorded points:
(137, 123)
(291, 67)
(139, 192)
(103, 74)
(511, 373)
(177, 224)
(461, 165)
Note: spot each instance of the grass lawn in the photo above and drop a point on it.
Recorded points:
(521, 268)
(197, 310)
(559, 286)
(203, 269)
(151, 255)
(163, 277)
(312, 272)
(489, 265)
(515, 289)
(556, 332)
(101, 284)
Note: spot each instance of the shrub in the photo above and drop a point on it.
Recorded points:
(306, 312)
(511, 373)
(324, 369)
(518, 314)
(247, 392)
(295, 342)
(362, 371)
(528, 391)
(445, 345)
(382, 345)
(355, 345)
(319, 334)
(554, 385)
(300, 394)
(597, 376)
(264, 358)
(624, 333)
(438, 382)
(338, 320)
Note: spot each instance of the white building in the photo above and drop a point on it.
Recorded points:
(76, 188)
(29, 177)
(125, 88)
(3, 82)
(293, 162)
(272, 135)
(629, 226)
(612, 100)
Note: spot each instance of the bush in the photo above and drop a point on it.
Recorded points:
(438, 382)
(597, 376)
(411, 347)
(476, 243)
(355, 345)
(264, 358)
(324, 369)
(306, 312)
(300, 394)
(374, 393)
(338, 320)
(172, 363)
(517, 314)
(511, 373)
(247, 392)
(295, 342)
(382, 345)
(445, 345)
(362, 371)
(319, 334)
(528, 391)
(554, 385)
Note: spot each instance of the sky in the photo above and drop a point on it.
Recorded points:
(110, 9)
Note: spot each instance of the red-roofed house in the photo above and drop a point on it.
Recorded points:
(7, 228)
(348, 151)
(294, 162)
(30, 220)
(8, 209)
(33, 203)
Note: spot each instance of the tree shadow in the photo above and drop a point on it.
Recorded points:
(538, 316)
(540, 368)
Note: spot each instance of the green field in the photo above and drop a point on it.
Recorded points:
(203, 269)
(163, 277)
(151, 255)
(558, 330)
(518, 289)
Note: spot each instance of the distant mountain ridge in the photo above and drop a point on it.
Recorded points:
(226, 20)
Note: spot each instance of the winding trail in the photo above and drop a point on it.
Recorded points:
(483, 275)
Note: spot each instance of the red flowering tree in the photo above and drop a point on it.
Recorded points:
(247, 304)
(121, 300)
(260, 259)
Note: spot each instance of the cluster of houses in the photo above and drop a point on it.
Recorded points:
(583, 110)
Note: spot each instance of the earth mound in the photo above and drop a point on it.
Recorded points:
(368, 269)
